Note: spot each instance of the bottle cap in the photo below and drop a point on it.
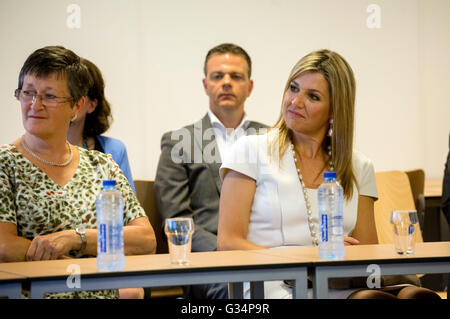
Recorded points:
(328, 175)
(109, 183)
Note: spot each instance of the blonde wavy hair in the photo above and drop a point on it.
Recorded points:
(341, 83)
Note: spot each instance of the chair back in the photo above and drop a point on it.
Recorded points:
(394, 193)
(146, 196)
(417, 180)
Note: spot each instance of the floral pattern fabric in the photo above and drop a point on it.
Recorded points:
(37, 205)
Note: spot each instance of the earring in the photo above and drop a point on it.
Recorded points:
(330, 149)
(73, 118)
(330, 131)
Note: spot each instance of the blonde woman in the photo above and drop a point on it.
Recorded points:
(270, 181)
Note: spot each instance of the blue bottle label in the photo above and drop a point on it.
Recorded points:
(102, 238)
(324, 228)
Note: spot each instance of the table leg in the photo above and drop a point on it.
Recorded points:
(300, 290)
(235, 290)
(320, 284)
(257, 290)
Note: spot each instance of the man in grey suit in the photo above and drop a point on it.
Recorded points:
(187, 179)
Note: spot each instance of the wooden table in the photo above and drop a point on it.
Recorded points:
(433, 187)
(234, 267)
(156, 270)
(429, 258)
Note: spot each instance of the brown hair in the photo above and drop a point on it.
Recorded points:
(342, 86)
(64, 63)
(99, 121)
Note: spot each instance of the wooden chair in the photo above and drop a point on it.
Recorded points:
(146, 196)
(417, 181)
(394, 193)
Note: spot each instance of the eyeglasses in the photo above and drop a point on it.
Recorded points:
(46, 99)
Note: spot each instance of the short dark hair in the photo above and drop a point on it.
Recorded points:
(99, 121)
(63, 62)
(229, 48)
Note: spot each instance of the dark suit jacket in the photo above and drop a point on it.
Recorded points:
(187, 182)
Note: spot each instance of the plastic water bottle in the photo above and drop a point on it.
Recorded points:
(109, 206)
(331, 219)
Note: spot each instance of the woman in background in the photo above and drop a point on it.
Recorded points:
(93, 119)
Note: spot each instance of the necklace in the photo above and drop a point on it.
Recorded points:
(299, 160)
(312, 231)
(27, 148)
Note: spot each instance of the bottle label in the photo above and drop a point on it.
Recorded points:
(102, 238)
(324, 228)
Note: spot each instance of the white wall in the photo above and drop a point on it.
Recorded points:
(151, 54)
(434, 83)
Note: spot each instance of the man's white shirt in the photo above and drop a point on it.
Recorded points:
(225, 137)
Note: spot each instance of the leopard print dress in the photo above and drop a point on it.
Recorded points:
(36, 204)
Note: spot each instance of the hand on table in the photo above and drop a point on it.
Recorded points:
(51, 246)
(348, 241)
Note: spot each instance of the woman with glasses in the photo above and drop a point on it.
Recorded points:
(48, 186)
(93, 119)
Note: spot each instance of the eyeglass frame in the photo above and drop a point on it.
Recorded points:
(44, 100)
